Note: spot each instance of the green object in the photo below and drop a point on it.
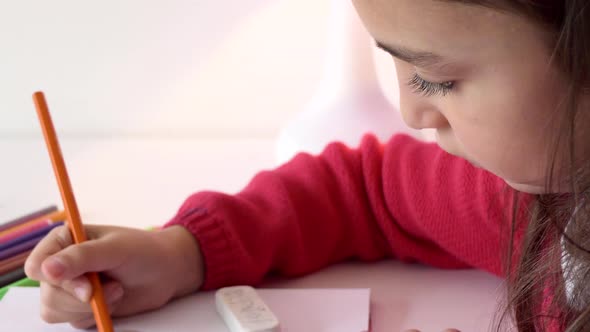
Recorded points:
(21, 283)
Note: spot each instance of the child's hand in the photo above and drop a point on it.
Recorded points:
(141, 270)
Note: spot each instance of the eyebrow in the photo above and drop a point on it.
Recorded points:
(417, 58)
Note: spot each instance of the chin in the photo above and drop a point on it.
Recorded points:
(474, 163)
(456, 154)
(526, 188)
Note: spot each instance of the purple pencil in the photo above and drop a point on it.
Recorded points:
(27, 236)
(17, 249)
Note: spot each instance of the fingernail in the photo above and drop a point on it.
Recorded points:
(55, 267)
(82, 293)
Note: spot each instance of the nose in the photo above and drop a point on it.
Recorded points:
(423, 117)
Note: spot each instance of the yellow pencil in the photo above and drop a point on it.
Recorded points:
(97, 301)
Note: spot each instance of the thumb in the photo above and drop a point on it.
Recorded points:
(75, 260)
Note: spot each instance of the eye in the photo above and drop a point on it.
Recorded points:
(427, 89)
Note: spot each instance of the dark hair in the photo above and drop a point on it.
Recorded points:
(560, 223)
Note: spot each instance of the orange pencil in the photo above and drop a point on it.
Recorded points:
(99, 307)
(53, 216)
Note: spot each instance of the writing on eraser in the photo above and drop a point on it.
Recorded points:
(243, 310)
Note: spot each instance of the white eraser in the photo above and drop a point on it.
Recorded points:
(243, 310)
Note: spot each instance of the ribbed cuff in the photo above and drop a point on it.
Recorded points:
(220, 253)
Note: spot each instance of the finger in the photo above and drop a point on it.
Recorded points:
(451, 330)
(84, 323)
(56, 240)
(412, 330)
(73, 261)
(58, 306)
(54, 316)
(79, 287)
(55, 297)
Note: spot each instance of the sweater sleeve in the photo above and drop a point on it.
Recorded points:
(406, 199)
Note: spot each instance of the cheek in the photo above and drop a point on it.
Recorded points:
(517, 108)
(506, 133)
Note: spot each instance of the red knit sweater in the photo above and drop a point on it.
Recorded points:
(406, 199)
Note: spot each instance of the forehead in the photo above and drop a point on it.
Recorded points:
(449, 27)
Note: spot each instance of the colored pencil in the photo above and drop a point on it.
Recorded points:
(27, 236)
(27, 217)
(25, 230)
(97, 300)
(12, 276)
(13, 262)
(55, 216)
(23, 246)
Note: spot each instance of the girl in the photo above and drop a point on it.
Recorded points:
(505, 84)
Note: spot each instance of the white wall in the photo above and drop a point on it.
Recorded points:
(152, 100)
(198, 68)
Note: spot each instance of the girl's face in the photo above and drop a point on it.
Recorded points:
(480, 77)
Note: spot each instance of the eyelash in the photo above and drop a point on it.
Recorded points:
(428, 89)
